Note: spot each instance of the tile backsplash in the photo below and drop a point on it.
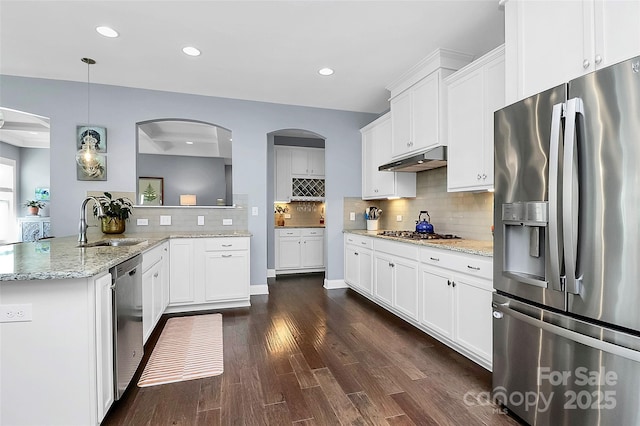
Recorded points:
(302, 213)
(184, 218)
(466, 214)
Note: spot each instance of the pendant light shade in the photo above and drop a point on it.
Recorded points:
(87, 155)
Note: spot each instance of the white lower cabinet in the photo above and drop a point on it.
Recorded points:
(155, 287)
(209, 273)
(437, 301)
(104, 345)
(299, 250)
(358, 263)
(396, 276)
(444, 293)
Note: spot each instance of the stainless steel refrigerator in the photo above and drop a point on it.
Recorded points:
(566, 324)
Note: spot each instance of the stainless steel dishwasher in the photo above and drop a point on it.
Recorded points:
(127, 322)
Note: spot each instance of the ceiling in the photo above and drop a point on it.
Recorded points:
(185, 138)
(257, 50)
(23, 130)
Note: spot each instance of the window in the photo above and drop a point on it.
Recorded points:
(7, 200)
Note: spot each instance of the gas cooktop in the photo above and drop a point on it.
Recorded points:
(412, 235)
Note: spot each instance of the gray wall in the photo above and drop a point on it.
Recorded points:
(202, 176)
(120, 108)
(32, 171)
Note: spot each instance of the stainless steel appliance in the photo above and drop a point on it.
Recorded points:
(566, 325)
(127, 322)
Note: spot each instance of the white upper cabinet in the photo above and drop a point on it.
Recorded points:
(415, 117)
(551, 42)
(307, 162)
(418, 103)
(282, 173)
(474, 94)
(376, 150)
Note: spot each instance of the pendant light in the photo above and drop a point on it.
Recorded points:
(87, 155)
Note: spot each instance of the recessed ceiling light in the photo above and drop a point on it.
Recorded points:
(107, 32)
(189, 143)
(191, 51)
(325, 71)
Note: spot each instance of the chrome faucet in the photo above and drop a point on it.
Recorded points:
(82, 234)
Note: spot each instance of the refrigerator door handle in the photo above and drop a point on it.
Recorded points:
(584, 339)
(555, 224)
(570, 196)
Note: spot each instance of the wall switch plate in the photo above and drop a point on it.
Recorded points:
(287, 215)
(352, 215)
(142, 222)
(254, 211)
(165, 220)
(15, 313)
(200, 220)
(399, 218)
(227, 221)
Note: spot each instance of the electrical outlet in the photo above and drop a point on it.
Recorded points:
(352, 215)
(15, 313)
(227, 222)
(142, 222)
(254, 211)
(287, 215)
(165, 220)
(200, 220)
(399, 218)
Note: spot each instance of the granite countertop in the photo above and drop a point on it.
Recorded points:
(477, 247)
(61, 258)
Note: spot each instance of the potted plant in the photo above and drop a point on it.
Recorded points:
(34, 206)
(117, 212)
(280, 211)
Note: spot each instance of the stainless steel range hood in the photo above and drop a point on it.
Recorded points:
(432, 159)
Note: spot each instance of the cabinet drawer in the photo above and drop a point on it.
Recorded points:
(312, 232)
(152, 256)
(289, 232)
(225, 244)
(477, 266)
(358, 241)
(409, 251)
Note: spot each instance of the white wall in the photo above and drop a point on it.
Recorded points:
(120, 108)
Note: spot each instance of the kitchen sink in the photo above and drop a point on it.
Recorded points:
(114, 243)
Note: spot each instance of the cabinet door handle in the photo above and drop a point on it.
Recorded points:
(484, 176)
(448, 282)
(478, 177)
(363, 243)
(305, 242)
(391, 265)
(227, 255)
(435, 259)
(356, 253)
(598, 59)
(453, 283)
(155, 275)
(350, 240)
(298, 242)
(227, 245)
(585, 64)
(475, 268)
(312, 233)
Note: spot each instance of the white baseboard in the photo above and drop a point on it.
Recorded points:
(271, 273)
(333, 284)
(259, 289)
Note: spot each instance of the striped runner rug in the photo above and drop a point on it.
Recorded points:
(188, 348)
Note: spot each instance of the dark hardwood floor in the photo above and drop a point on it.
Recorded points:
(307, 356)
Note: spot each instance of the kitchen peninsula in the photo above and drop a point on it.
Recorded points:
(57, 332)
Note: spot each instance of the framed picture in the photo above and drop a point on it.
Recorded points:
(92, 134)
(43, 194)
(96, 171)
(151, 191)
